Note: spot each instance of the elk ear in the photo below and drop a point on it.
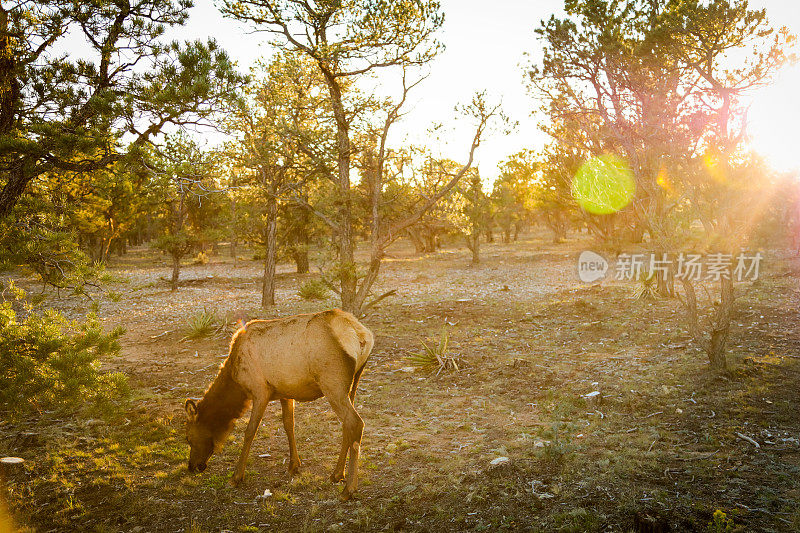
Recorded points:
(191, 409)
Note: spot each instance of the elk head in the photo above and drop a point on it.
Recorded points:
(199, 437)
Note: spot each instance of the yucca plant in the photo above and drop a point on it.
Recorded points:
(647, 288)
(202, 324)
(435, 355)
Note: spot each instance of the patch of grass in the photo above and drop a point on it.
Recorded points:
(202, 324)
(114, 296)
(576, 520)
(313, 289)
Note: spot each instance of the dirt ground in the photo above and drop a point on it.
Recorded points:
(660, 448)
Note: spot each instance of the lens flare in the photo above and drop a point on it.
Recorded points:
(604, 185)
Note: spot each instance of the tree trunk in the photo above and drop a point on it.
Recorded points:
(347, 267)
(268, 283)
(13, 189)
(300, 256)
(475, 247)
(665, 283)
(176, 271)
(416, 240)
(233, 223)
(721, 326)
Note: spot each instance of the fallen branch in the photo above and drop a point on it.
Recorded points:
(378, 299)
(748, 439)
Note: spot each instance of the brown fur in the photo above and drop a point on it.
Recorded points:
(303, 358)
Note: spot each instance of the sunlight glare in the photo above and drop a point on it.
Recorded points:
(774, 119)
(603, 185)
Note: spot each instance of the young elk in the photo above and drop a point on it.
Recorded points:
(299, 358)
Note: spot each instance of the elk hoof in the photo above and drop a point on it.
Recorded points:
(294, 468)
(346, 495)
(336, 477)
(236, 480)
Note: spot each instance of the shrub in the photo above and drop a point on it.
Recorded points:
(201, 258)
(720, 523)
(314, 289)
(47, 361)
(202, 324)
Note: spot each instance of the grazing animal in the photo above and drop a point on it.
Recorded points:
(302, 357)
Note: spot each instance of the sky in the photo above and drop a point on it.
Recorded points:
(486, 46)
(485, 49)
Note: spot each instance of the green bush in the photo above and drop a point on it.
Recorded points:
(48, 362)
(314, 289)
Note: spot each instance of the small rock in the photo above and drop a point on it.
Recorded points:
(499, 461)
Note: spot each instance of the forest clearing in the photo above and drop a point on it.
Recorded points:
(659, 445)
(399, 265)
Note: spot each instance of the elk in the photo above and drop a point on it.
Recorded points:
(302, 358)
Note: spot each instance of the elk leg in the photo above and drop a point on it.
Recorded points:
(338, 472)
(259, 406)
(287, 406)
(352, 429)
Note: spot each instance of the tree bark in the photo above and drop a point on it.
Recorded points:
(416, 240)
(268, 282)
(233, 223)
(721, 327)
(347, 267)
(13, 189)
(300, 256)
(714, 346)
(475, 247)
(176, 272)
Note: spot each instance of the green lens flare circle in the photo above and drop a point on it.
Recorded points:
(603, 185)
